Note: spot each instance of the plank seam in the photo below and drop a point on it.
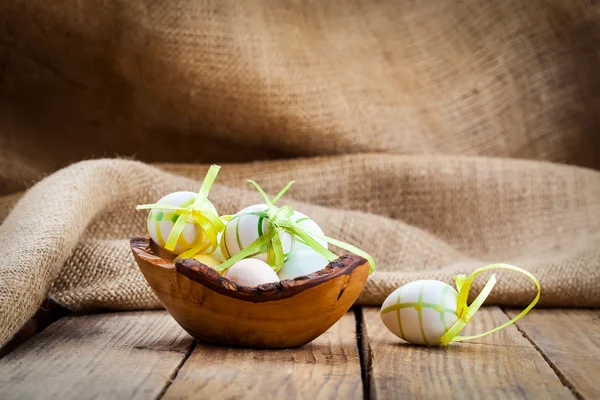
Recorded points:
(562, 377)
(173, 376)
(365, 355)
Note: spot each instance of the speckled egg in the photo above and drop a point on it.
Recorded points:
(420, 312)
(302, 262)
(245, 227)
(309, 226)
(160, 223)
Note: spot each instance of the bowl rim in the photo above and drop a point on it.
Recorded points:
(194, 270)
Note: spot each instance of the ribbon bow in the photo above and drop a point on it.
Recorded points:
(198, 212)
(279, 220)
(466, 312)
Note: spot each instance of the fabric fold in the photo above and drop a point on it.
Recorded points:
(437, 136)
(430, 217)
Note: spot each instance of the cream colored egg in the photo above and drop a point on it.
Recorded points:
(247, 226)
(302, 262)
(160, 222)
(420, 312)
(207, 260)
(310, 226)
(251, 272)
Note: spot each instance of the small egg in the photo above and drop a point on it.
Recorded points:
(207, 259)
(245, 227)
(302, 262)
(251, 272)
(310, 226)
(160, 223)
(420, 312)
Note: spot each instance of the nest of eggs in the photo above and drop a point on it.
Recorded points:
(263, 277)
(283, 314)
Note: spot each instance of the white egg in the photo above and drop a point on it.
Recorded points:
(251, 272)
(310, 226)
(245, 227)
(160, 223)
(420, 312)
(302, 262)
(217, 253)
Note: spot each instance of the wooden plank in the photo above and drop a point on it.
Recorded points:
(502, 365)
(570, 341)
(128, 355)
(48, 313)
(329, 367)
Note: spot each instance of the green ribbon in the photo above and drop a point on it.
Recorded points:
(199, 213)
(466, 312)
(278, 219)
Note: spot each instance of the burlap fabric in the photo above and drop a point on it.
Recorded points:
(438, 136)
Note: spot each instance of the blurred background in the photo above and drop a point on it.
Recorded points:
(228, 81)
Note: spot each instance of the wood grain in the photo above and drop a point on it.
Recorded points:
(328, 367)
(502, 365)
(570, 340)
(48, 313)
(276, 315)
(115, 356)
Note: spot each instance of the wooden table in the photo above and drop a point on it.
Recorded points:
(146, 355)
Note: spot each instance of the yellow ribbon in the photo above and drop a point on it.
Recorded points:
(199, 213)
(466, 312)
(279, 219)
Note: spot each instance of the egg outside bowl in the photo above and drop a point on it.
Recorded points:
(278, 315)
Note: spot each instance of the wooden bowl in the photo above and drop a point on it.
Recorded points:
(275, 315)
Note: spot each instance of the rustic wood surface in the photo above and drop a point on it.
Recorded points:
(501, 365)
(109, 356)
(46, 315)
(570, 341)
(327, 367)
(146, 355)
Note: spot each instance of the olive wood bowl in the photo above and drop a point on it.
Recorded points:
(283, 314)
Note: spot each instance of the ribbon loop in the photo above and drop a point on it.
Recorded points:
(466, 312)
(460, 281)
(347, 247)
(296, 230)
(199, 212)
(252, 248)
(281, 192)
(279, 219)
